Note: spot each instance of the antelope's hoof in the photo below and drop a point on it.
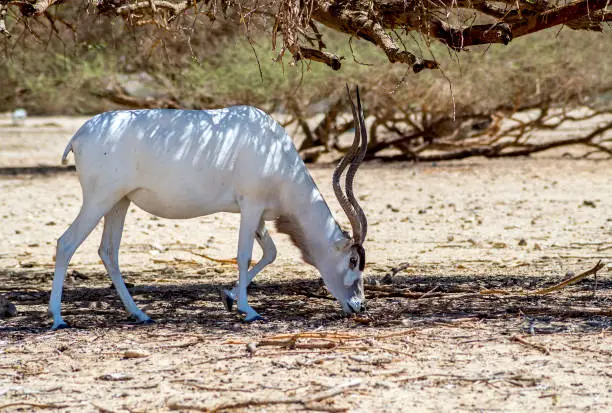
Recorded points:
(250, 315)
(228, 299)
(252, 318)
(59, 326)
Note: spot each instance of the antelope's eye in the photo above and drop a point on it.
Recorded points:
(353, 262)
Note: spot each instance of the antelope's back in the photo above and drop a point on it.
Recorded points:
(218, 154)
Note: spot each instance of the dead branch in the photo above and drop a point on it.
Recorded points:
(524, 342)
(454, 377)
(568, 311)
(220, 260)
(305, 402)
(329, 59)
(3, 9)
(511, 27)
(121, 97)
(482, 135)
(295, 345)
(34, 405)
(201, 386)
(570, 281)
(307, 340)
(37, 7)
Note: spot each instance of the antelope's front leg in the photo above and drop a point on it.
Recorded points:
(268, 256)
(250, 217)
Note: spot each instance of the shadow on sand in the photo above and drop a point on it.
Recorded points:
(305, 304)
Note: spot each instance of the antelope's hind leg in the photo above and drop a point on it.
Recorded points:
(109, 253)
(268, 256)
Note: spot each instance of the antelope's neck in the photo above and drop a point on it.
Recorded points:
(313, 228)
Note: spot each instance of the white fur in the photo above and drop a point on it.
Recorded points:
(185, 164)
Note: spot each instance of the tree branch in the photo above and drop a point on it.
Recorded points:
(510, 27)
(3, 30)
(329, 59)
(119, 8)
(37, 7)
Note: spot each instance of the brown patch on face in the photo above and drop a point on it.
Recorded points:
(361, 254)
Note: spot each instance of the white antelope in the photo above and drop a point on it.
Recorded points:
(190, 163)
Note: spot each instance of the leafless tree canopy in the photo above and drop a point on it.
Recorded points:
(458, 24)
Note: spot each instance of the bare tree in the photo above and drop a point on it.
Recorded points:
(458, 24)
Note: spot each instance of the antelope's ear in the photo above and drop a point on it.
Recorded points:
(343, 244)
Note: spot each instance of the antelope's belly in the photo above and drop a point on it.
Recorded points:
(179, 203)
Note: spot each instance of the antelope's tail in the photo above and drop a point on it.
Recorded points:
(66, 152)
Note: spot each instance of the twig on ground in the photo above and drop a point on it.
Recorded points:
(362, 320)
(567, 311)
(184, 345)
(538, 347)
(323, 335)
(200, 386)
(321, 408)
(334, 391)
(323, 340)
(221, 260)
(428, 293)
(397, 334)
(102, 409)
(382, 291)
(393, 271)
(495, 292)
(570, 281)
(295, 345)
(516, 380)
(445, 376)
(307, 402)
(34, 405)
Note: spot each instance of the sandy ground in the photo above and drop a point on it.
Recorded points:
(440, 236)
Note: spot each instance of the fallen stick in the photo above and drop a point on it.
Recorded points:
(567, 311)
(200, 386)
(321, 408)
(334, 391)
(538, 347)
(221, 260)
(430, 292)
(102, 409)
(329, 340)
(305, 402)
(329, 336)
(295, 345)
(495, 292)
(570, 281)
(450, 377)
(35, 405)
(183, 345)
(443, 376)
(396, 334)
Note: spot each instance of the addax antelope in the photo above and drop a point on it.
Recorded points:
(190, 163)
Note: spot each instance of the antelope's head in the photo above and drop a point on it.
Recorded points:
(344, 275)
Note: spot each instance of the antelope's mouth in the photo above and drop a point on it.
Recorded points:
(353, 306)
